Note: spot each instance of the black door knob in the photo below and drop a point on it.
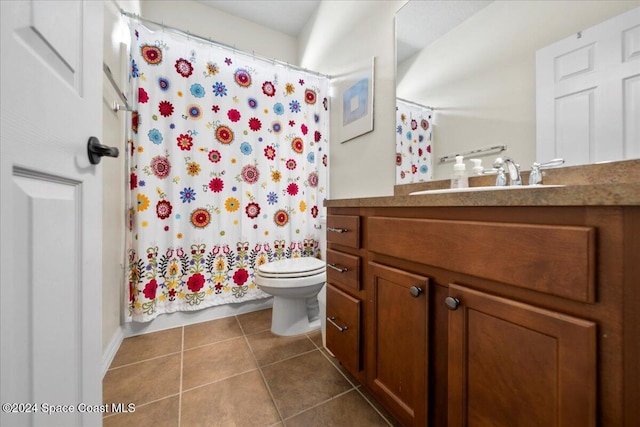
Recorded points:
(96, 151)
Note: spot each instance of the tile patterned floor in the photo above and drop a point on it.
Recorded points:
(235, 372)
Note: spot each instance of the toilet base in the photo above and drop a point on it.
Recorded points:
(290, 316)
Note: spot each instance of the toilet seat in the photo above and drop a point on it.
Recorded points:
(292, 268)
(294, 284)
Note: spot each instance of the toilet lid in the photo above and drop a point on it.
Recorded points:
(292, 267)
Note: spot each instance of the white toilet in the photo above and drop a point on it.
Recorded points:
(294, 284)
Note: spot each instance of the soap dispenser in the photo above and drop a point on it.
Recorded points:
(460, 179)
(477, 166)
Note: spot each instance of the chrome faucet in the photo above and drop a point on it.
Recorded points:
(535, 177)
(512, 167)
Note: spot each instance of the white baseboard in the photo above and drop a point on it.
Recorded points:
(184, 318)
(110, 352)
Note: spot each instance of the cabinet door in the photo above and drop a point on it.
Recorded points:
(512, 364)
(397, 371)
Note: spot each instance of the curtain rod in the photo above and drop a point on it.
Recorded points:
(219, 44)
(415, 103)
(479, 151)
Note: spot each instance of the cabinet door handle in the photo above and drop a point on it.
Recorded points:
(340, 328)
(415, 291)
(451, 303)
(340, 269)
(337, 230)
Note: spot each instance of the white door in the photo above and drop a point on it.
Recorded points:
(588, 94)
(51, 212)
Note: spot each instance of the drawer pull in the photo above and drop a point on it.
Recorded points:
(340, 328)
(340, 269)
(337, 230)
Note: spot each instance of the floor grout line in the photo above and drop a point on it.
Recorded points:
(143, 360)
(373, 406)
(213, 343)
(138, 406)
(349, 380)
(322, 403)
(181, 375)
(289, 358)
(187, 390)
(264, 379)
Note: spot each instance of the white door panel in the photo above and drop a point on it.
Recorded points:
(60, 25)
(586, 96)
(631, 44)
(573, 132)
(631, 120)
(51, 210)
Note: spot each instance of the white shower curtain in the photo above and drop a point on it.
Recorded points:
(414, 139)
(228, 170)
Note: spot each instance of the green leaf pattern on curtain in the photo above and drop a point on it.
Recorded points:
(227, 171)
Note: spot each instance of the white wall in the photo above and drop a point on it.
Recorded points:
(113, 177)
(342, 36)
(480, 77)
(222, 27)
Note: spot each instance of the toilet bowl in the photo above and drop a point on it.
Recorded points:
(294, 284)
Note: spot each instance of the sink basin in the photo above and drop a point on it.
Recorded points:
(482, 189)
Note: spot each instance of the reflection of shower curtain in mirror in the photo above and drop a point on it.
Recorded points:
(228, 171)
(414, 162)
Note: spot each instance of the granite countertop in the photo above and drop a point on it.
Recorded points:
(607, 184)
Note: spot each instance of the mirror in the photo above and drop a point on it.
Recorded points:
(474, 62)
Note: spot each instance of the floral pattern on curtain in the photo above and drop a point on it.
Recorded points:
(414, 162)
(227, 171)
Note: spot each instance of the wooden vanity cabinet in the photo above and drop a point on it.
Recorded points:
(528, 316)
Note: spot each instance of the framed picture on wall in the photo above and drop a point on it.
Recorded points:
(354, 99)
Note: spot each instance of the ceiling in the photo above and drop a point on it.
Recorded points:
(419, 21)
(286, 16)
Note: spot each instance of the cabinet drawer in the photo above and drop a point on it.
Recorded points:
(343, 328)
(343, 230)
(553, 259)
(343, 269)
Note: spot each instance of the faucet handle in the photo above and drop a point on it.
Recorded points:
(535, 176)
(550, 164)
(501, 179)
